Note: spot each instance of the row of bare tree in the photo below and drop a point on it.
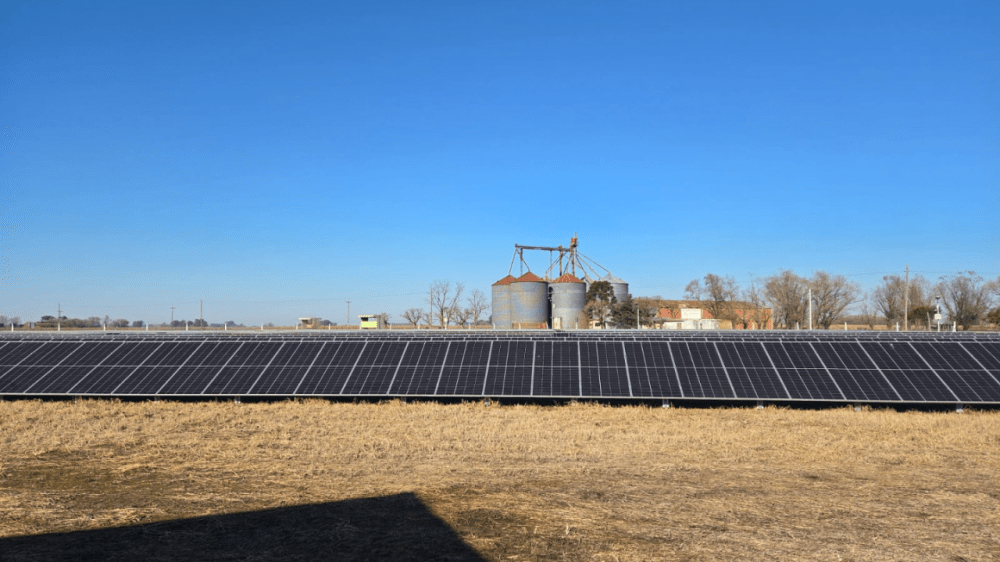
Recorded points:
(446, 306)
(13, 320)
(966, 299)
(965, 296)
(91, 322)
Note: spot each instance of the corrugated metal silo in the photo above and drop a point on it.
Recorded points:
(529, 295)
(569, 295)
(502, 309)
(619, 287)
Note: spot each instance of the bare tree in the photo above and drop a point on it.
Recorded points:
(693, 290)
(993, 316)
(869, 314)
(478, 305)
(965, 297)
(384, 318)
(443, 302)
(758, 313)
(460, 316)
(890, 297)
(721, 293)
(832, 294)
(787, 293)
(414, 316)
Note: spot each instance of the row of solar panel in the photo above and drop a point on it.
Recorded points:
(967, 372)
(613, 335)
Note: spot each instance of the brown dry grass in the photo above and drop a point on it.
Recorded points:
(576, 482)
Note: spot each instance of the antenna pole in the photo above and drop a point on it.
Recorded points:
(906, 302)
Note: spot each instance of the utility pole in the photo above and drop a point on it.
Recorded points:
(172, 315)
(59, 317)
(201, 313)
(906, 302)
(810, 308)
(348, 313)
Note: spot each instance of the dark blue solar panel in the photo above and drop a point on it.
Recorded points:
(750, 371)
(420, 369)
(133, 354)
(713, 380)
(327, 371)
(21, 379)
(984, 354)
(288, 368)
(556, 369)
(17, 353)
(103, 380)
(603, 369)
(780, 366)
(662, 376)
(801, 371)
(145, 380)
(510, 370)
(468, 377)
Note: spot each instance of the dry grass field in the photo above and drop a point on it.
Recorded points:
(103, 480)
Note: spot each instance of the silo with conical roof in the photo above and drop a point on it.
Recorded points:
(568, 295)
(618, 287)
(529, 295)
(502, 305)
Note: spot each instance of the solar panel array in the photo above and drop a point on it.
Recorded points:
(774, 366)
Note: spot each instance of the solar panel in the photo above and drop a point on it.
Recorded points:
(731, 365)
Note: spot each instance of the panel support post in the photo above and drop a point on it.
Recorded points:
(760, 404)
(236, 400)
(958, 408)
(857, 407)
(666, 404)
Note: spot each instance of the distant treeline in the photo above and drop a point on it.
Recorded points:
(98, 322)
(826, 299)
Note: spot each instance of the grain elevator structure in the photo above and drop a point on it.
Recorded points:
(554, 300)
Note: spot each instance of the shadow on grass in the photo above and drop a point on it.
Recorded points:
(395, 527)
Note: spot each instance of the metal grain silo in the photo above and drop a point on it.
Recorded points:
(529, 295)
(619, 287)
(569, 295)
(502, 309)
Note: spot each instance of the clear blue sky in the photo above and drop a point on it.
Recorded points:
(276, 159)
